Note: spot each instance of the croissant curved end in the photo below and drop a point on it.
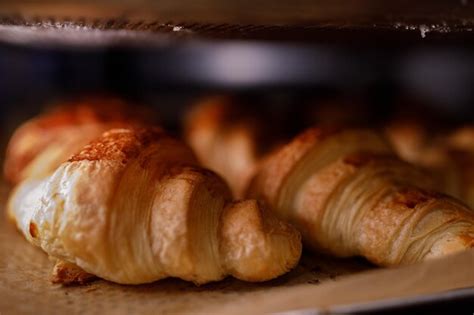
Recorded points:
(255, 244)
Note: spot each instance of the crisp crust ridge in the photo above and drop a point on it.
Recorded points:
(119, 144)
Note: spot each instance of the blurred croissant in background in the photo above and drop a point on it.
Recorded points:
(228, 138)
(231, 135)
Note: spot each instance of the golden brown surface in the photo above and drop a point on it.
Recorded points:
(135, 207)
(349, 195)
(39, 145)
(118, 145)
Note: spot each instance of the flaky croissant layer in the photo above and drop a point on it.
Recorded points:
(348, 195)
(134, 207)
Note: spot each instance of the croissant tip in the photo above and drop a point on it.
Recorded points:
(68, 274)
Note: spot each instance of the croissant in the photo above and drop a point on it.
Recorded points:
(224, 139)
(410, 140)
(134, 206)
(462, 139)
(40, 145)
(230, 137)
(350, 196)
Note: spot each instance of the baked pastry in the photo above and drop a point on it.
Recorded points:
(226, 139)
(462, 139)
(134, 206)
(350, 196)
(231, 135)
(41, 144)
(410, 140)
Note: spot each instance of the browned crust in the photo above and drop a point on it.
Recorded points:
(391, 214)
(468, 240)
(109, 111)
(411, 198)
(385, 219)
(66, 273)
(119, 144)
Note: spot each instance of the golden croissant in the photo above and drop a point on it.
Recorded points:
(133, 206)
(349, 196)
